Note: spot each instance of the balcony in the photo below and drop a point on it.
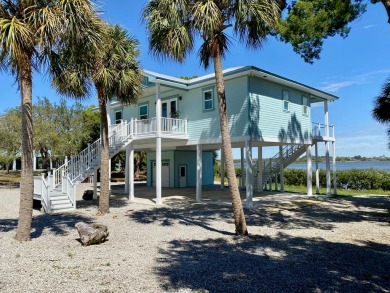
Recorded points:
(147, 128)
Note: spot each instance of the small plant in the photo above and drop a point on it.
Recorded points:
(17, 255)
(174, 114)
(70, 254)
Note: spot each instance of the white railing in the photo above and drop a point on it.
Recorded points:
(319, 130)
(145, 126)
(175, 126)
(75, 169)
(41, 187)
(71, 191)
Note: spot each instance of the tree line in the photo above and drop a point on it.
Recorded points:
(59, 130)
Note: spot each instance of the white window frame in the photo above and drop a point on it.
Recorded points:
(118, 121)
(204, 91)
(140, 117)
(286, 100)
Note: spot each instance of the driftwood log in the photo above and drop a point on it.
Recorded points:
(92, 234)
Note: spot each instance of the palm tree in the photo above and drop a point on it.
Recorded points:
(114, 72)
(381, 110)
(28, 30)
(173, 26)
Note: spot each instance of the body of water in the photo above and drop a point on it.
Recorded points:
(385, 165)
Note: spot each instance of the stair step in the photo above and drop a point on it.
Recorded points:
(60, 201)
(59, 198)
(64, 206)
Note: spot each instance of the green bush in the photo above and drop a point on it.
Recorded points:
(217, 171)
(356, 179)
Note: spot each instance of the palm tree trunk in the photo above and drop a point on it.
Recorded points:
(238, 212)
(27, 176)
(104, 199)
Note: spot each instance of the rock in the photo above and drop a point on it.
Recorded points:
(92, 234)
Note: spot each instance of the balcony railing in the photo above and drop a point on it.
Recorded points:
(319, 131)
(148, 127)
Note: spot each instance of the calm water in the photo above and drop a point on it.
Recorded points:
(385, 165)
(348, 165)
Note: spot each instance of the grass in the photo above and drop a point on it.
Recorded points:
(340, 191)
(11, 177)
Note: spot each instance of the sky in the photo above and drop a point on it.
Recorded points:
(354, 69)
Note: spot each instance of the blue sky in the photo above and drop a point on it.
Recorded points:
(353, 69)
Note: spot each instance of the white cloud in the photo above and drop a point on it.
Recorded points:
(334, 86)
(369, 26)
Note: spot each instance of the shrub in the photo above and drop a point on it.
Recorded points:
(356, 179)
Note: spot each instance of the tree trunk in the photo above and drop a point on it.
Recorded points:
(27, 176)
(104, 199)
(238, 212)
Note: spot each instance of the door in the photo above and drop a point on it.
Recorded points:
(164, 174)
(168, 108)
(182, 176)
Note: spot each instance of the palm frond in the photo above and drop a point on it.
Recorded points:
(381, 111)
(169, 28)
(254, 19)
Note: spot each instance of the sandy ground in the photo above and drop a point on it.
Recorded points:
(297, 244)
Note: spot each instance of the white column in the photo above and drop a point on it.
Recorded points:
(281, 169)
(158, 146)
(260, 168)
(108, 109)
(222, 169)
(51, 163)
(34, 161)
(95, 173)
(127, 164)
(131, 174)
(249, 174)
(334, 169)
(326, 118)
(317, 171)
(198, 173)
(14, 165)
(309, 172)
(327, 160)
(242, 168)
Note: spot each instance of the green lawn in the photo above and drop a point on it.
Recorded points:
(340, 191)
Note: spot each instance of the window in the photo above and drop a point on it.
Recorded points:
(286, 101)
(118, 117)
(208, 100)
(305, 104)
(143, 111)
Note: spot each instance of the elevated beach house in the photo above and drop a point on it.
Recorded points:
(176, 122)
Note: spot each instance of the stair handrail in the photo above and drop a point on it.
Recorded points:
(45, 198)
(88, 157)
(273, 164)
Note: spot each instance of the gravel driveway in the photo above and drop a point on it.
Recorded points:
(296, 245)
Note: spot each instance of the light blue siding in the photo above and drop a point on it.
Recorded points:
(204, 125)
(188, 158)
(268, 119)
